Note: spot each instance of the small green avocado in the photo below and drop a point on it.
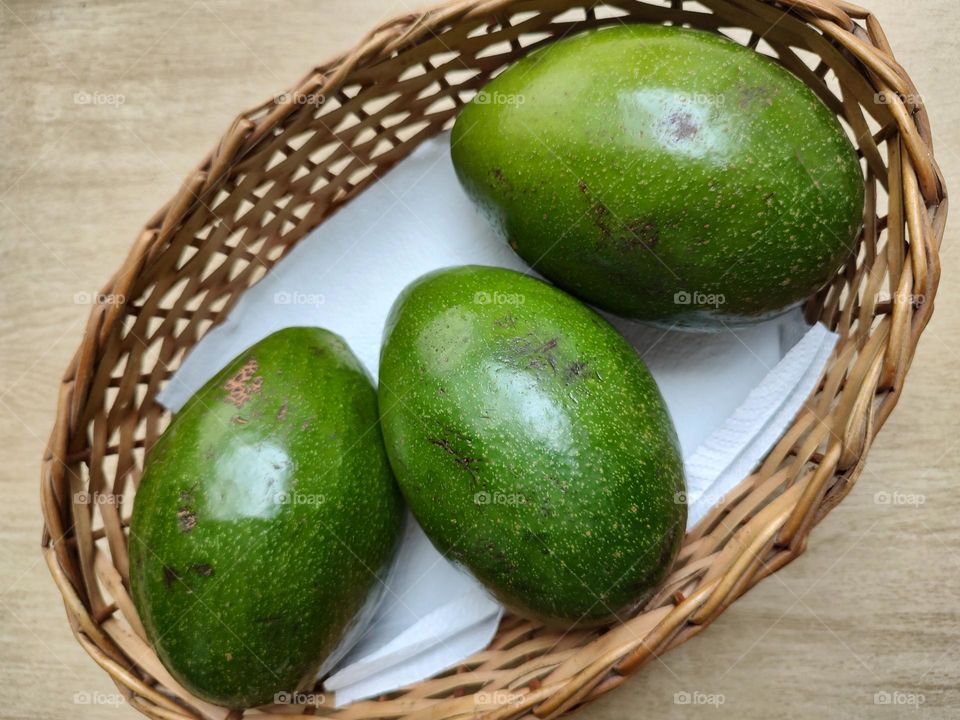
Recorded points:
(265, 514)
(531, 443)
(664, 174)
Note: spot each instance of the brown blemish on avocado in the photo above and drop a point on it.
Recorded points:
(244, 385)
(186, 519)
(462, 459)
(530, 537)
(204, 569)
(754, 95)
(282, 413)
(170, 576)
(545, 354)
(681, 125)
(575, 371)
(600, 213)
(640, 233)
(529, 348)
(490, 549)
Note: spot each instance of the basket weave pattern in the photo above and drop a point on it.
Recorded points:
(286, 165)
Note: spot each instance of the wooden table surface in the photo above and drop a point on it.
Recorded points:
(107, 105)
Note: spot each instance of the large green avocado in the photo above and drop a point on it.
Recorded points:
(664, 174)
(265, 513)
(531, 443)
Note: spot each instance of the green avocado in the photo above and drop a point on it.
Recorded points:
(531, 443)
(265, 515)
(664, 174)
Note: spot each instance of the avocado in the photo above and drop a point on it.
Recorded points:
(531, 443)
(265, 515)
(664, 174)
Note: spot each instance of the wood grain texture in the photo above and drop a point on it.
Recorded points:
(107, 105)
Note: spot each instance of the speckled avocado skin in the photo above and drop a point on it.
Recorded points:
(264, 513)
(531, 443)
(664, 174)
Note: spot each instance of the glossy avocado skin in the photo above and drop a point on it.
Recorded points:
(264, 513)
(531, 443)
(664, 174)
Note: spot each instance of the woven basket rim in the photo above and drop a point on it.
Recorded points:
(775, 508)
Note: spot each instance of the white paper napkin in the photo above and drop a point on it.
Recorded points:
(731, 394)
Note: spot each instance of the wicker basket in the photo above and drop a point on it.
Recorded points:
(286, 165)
